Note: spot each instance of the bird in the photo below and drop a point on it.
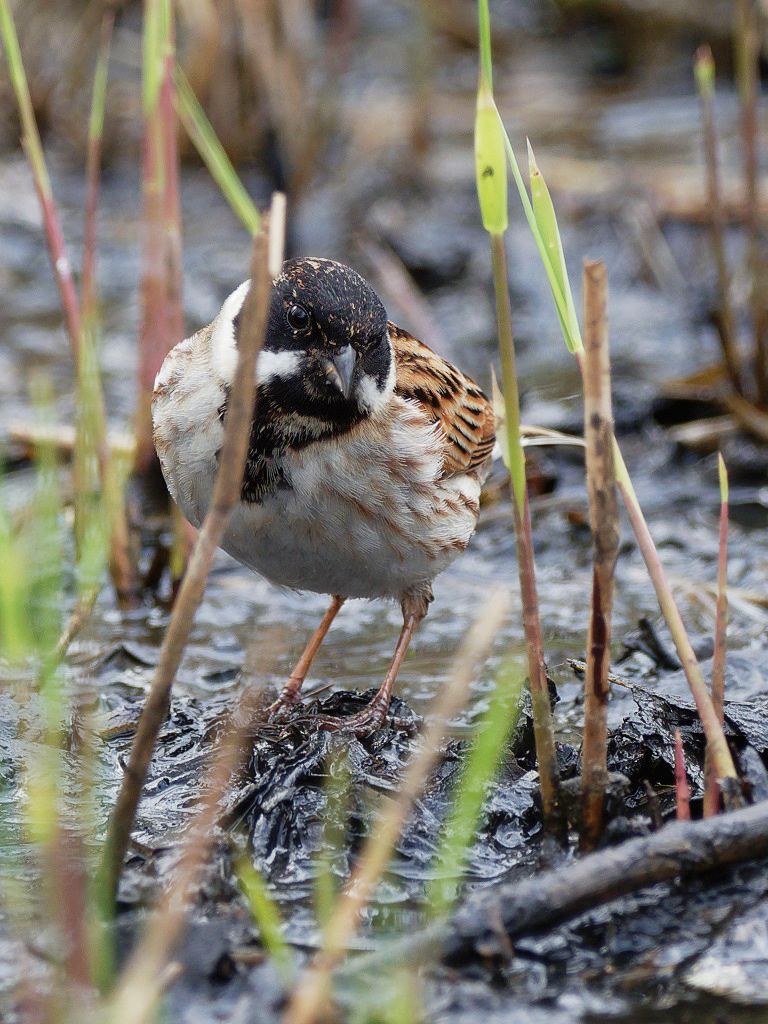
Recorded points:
(366, 455)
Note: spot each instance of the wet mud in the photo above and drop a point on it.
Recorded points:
(691, 950)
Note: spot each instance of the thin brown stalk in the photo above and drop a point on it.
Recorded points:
(171, 200)
(747, 56)
(682, 788)
(721, 620)
(711, 791)
(705, 76)
(718, 747)
(549, 775)
(313, 989)
(225, 495)
(604, 517)
(77, 620)
(145, 975)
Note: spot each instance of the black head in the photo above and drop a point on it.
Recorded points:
(326, 352)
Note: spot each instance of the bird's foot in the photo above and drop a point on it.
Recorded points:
(363, 723)
(289, 697)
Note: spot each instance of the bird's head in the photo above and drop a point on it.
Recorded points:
(326, 354)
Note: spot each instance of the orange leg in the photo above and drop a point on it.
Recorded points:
(291, 690)
(371, 717)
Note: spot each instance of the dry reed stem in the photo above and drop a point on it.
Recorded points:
(604, 518)
(60, 438)
(721, 619)
(225, 495)
(682, 788)
(549, 774)
(313, 989)
(76, 621)
(726, 332)
(145, 975)
(711, 791)
(722, 761)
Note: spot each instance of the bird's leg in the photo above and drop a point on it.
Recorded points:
(372, 716)
(290, 692)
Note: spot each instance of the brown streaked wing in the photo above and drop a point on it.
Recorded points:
(448, 397)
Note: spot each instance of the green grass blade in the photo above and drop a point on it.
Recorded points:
(484, 32)
(99, 94)
(151, 55)
(15, 627)
(562, 304)
(482, 764)
(267, 917)
(546, 220)
(202, 134)
(32, 143)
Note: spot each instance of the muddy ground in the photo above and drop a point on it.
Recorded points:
(619, 131)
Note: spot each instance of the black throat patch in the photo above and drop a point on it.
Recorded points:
(278, 429)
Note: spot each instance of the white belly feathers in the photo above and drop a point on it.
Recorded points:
(365, 515)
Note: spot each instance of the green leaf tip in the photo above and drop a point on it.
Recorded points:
(722, 474)
(490, 166)
(704, 71)
(552, 252)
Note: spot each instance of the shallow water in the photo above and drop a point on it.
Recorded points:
(658, 331)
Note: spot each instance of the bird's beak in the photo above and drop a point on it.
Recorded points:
(340, 369)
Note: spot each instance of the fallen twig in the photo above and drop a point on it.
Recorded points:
(487, 924)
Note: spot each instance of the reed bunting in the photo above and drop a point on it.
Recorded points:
(366, 456)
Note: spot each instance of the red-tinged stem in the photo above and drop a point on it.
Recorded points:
(682, 789)
(171, 202)
(68, 868)
(62, 268)
(154, 333)
(162, 321)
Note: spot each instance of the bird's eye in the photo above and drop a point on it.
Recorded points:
(298, 318)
